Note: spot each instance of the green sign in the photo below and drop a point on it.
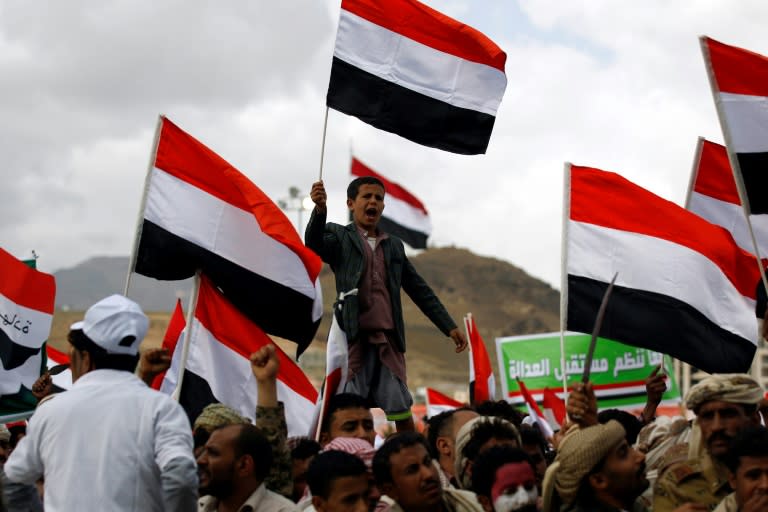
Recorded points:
(618, 371)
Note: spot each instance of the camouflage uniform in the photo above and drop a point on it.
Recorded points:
(700, 480)
(271, 421)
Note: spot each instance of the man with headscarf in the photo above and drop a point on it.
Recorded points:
(724, 404)
(477, 436)
(595, 470)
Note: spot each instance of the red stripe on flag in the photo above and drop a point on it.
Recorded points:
(189, 160)
(738, 71)
(555, 404)
(435, 397)
(172, 334)
(57, 356)
(609, 200)
(242, 336)
(529, 399)
(429, 27)
(481, 364)
(715, 176)
(26, 286)
(391, 188)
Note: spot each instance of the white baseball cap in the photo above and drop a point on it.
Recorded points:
(116, 324)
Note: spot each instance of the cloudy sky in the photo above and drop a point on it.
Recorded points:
(612, 84)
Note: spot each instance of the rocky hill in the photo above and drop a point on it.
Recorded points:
(503, 298)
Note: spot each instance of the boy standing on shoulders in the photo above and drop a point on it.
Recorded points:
(370, 268)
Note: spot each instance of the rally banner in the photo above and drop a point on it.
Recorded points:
(618, 371)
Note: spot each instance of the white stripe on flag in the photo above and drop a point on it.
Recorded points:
(217, 226)
(656, 265)
(406, 215)
(731, 217)
(405, 62)
(24, 326)
(747, 118)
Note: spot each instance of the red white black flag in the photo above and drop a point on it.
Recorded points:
(408, 69)
(405, 215)
(202, 213)
(684, 287)
(482, 385)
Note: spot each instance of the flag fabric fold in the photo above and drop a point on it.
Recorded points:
(173, 333)
(482, 385)
(437, 402)
(408, 69)
(218, 367)
(684, 287)
(534, 412)
(554, 408)
(202, 213)
(405, 215)
(739, 81)
(26, 312)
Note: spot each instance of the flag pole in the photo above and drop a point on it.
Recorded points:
(322, 146)
(735, 167)
(471, 372)
(140, 221)
(187, 336)
(564, 270)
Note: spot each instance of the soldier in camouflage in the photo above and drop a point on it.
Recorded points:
(724, 405)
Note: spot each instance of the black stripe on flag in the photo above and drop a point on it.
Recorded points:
(12, 354)
(657, 322)
(195, 395)
(415, 239)
(270, 305)
(407, 113)
(754, 170)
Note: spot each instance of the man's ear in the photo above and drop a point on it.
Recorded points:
(444, 446)
(319, 503)
(245, 465)
(324, 438)
(87, 360)
(350, 204)
(485, 501)
(598, 481)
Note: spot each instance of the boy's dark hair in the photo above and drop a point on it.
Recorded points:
(342, 401)
(531, 435)
(487, 463)
(631, 424)
(500, 409)
(481, 433)
(750, 442)
(305, 449)
(439, 426)
(329, 466)
(382, 466)
(252, 441)
(354, 186)
(102, 360)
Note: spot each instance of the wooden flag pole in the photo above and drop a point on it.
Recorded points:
(187, 335)
(322, 146)
(140, 221)
(564, 271)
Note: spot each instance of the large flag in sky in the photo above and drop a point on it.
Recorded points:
(408, 69)
(202, 213)
(438, 402)
(482, 385)
(739, 80)
(683, 288)
(714, 196)
(218, 367)
(404, 215)
(26, 311)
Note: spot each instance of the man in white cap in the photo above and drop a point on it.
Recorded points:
(110, 442)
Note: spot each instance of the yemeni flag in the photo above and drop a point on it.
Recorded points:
(58, 367)
(218, 367)
(336, 372)
(26, 311)
(173, 333)
(482, 385)
(739, 80)
(404, 216)
(413, 71)
(554, 408)
(684, 287)
(534, 412)
(438, 402)
(202, 213)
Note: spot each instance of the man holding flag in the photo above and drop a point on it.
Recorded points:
(371, 267)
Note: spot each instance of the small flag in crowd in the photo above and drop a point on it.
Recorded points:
(739, 80)
(554, 408)
(684, 287)
(408, 69)
(203, 214)
(482, 385)
(404, 216)
(534, 412)
(438, 402)
(172, 334)
(27, 298)
(218, 367)
(58, 366)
